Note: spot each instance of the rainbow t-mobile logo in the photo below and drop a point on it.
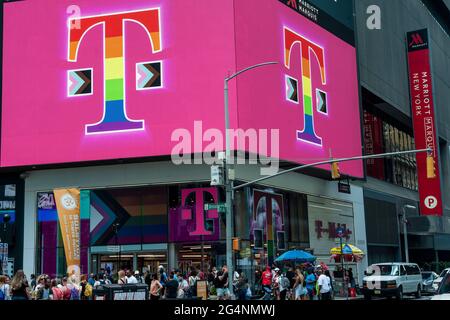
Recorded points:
(308, 50)
(148, 74)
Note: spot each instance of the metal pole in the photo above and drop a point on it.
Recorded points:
(120, 252)
(202, 252)
(1, 259)
(229, 191)
(228, 183)
(343, 268)
(115, 225)
(405, 234)
(374, 156)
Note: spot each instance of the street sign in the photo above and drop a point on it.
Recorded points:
(221, 207)
(3, 251)
(8, 267)
(5, 265)
(340, 232)
(344, 187)
(217, 176)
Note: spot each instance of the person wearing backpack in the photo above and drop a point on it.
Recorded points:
(86, 288)
(163, 279)
(193, 284)
(104, 280)
(4, 289)
(283, 286)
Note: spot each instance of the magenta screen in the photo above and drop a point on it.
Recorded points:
(113, 79)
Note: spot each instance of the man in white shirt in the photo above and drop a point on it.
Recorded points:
(324, 283)
(131, 278)
(138, 277)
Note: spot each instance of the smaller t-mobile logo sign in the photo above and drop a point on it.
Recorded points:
(199, 216)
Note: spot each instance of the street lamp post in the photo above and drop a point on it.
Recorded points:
(340, 233)
(405, 229)
(6, 219)
(115, 226)
(228, 182)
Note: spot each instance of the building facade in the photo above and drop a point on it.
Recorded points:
(337, 91)
(392, 184)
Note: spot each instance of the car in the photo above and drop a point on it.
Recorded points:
(428, 277)
(443, 292)
(439, 279)
(393, 279)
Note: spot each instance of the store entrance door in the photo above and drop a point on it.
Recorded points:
(142, 261)
(200, 256)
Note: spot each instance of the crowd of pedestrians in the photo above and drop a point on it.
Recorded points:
(44, 287)
(302, 283)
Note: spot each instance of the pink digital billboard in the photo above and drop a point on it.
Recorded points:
(113, 79)
(314, 96)
(92, 80)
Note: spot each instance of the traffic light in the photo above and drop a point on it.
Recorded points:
(335, 174)
(217, 176)
(236, 244)
(431, 170)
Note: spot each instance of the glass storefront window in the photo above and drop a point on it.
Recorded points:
(131, 227)
(399, 170)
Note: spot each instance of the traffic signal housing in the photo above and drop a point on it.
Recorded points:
(431, 169)
(236, 244)
(335, 173)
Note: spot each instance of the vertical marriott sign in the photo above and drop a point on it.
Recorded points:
(423, 119)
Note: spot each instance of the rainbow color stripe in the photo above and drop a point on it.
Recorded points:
(114, 115)
(308, 49)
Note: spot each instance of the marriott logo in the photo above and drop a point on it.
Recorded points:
(416, 41)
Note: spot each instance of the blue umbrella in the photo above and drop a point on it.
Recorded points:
(299, 256)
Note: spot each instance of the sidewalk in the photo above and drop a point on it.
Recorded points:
(349, 298)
